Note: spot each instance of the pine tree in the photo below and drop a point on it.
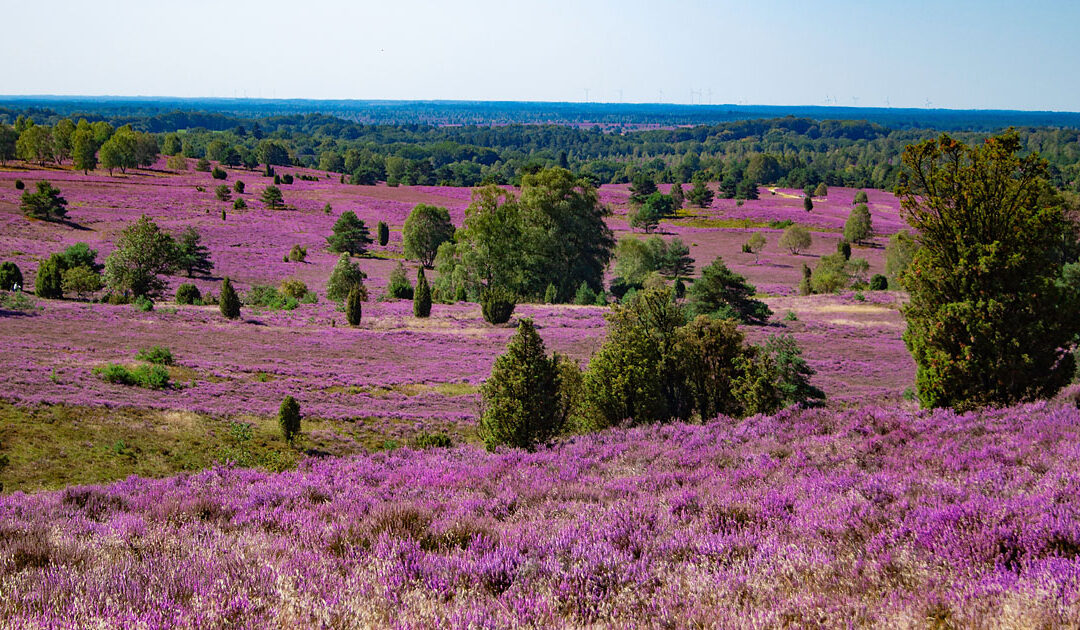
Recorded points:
(229, 301)
(421, 295)
(384, 233)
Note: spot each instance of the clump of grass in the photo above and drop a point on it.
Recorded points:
(155, 354)
(791, 317)
(148, 376)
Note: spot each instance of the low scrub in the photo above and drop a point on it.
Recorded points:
(148, 376)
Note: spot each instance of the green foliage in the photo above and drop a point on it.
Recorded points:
(521, 404)
(422, 301)
(722, 293)
(425, 440)
(497, 305)
(859, 226)
(143, 253)
(45, 204)
(289, 418)
(238, 204)
(143, 303)
(229, 301)
(294, 288)
(700, 195)
(238, 187)
(19, 185)
(585, 295)
(844, 249)
(191, 255)
(641, 188)
(188, 294)
(223, 193)
(219, 173)
(84, 150)
(350, 235)
(269, 297)
(989, 323)
(10, 276)
(147, 376)
(807, 203)
(271, 152)
(879, 282)
(425, 229)
(80, 255)
(383, 231)
(345, 277)
(551, 294)
(755, 244)
(354, 307)
(272, 197)
(635, 259)
(898, 255)
(398, 285)
(176, 163)
(297, 253)
(860, 197)
(81, 281)
(202, 165)
(821, 191)
(792, 372)
(155, 354)
(795, 238)
(833, 273)
(657, 206)
(554, 234)
(49, 280)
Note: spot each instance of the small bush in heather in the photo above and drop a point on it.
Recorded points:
(223, 193)
(188, 294)
(289, 418)
(237, 204)
(277, 180)
(879, 282)
(790, 316)
(238, 187)
(294, 288)
(398, 285)
(585, 295)
(286, 179)
(298, 253)
(223, 210)
(354, 307)
(807, 203)
(155, 354)
(422, 299)
(860, 197)
(10, 276)
(272, 197)
(19, 185)
(844, 248)
(424, 440)
(219, 173)
(384, 233)
(148, 376)
(345, 276)
(229, 302)
(497, 305)
(203, 165)
(327, 209)
(144, 303)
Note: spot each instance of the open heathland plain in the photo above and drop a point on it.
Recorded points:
(866, 512)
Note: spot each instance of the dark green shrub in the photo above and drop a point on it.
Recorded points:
(384, 233)
(143, 303)
(219, 173)
(10, 276)
(272, 197)
(148, 376)
(844, 248)
(879, 282)
(345, 276)
(497, 305)
(237, 204)
(585, 295)
(238, 187)
(223, 193)
(354, 307)
(188, 294)
(424, 440)
(521, 404)
(289, 418)
(860, 197)
(286, 179)
(350, 235)
(792, 374)
(422, 298)
(398, 285)
(277, 180)
(155, 354)
(19, 185)
(49, 280)
(294, 288)
(550, 294)
(720, 292)
(46, 203)
(229, 301)
(203, 165)
(298, 253)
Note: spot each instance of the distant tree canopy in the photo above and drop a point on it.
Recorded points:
(554, 233)
(425, 229)
(990, 321)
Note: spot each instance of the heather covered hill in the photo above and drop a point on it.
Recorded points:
(871, 517)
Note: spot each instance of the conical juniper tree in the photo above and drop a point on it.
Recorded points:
(521, 402)
(988, 323)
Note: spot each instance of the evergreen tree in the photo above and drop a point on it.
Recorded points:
(272, 197)
(191, 255)
(49, 280)
(384, 233)
(422, 295)
(807, 203)
(289, 419)
(10, 276)
(350, 235)
(720, 292)
(354, 307)
(45, 204)
(522, 406)
(229, 301)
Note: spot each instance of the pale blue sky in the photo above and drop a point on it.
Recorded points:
(959, 54)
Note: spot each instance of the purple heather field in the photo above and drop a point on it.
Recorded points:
(865, 513)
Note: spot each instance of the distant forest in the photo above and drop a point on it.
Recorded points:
(464, 144)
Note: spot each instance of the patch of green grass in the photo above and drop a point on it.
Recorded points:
(385, 254)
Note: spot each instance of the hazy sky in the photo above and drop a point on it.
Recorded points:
(958, 54)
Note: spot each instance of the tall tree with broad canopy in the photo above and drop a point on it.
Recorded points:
(988, 323)
(425, 229)
(144, 252)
